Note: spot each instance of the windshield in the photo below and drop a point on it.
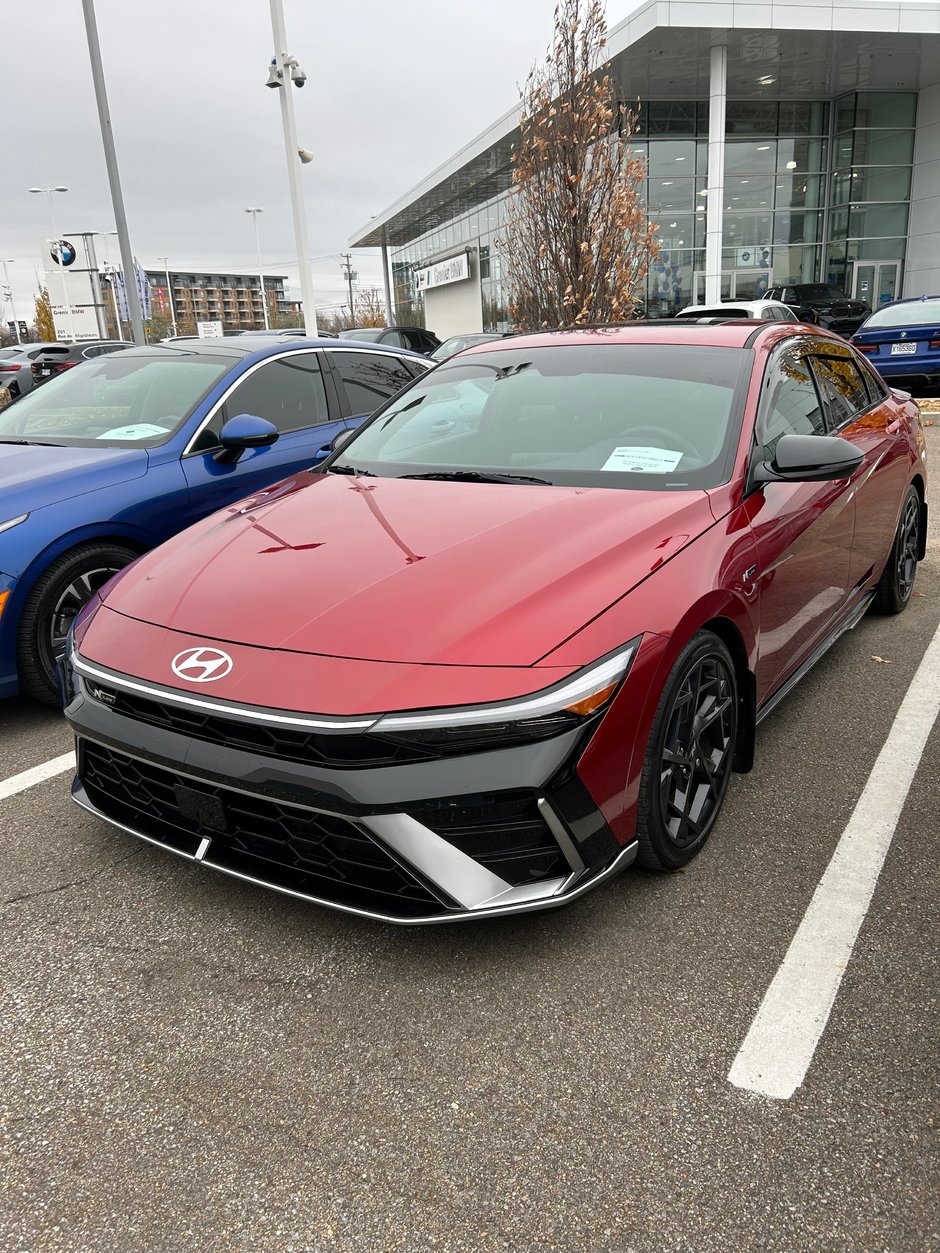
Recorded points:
(820, 291)
(649, 416)
(120, 399)
(916, 313)
(366, 335)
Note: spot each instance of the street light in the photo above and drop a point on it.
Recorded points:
(264, 304)
(56, 241)
(282, 70)
(169, 289)
(8, 295)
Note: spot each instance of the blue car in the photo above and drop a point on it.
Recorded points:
(902, 341)
(113, 457)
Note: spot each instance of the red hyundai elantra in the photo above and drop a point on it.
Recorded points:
(516, 632)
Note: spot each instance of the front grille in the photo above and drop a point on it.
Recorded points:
(279, 844)
(504, 831)
(337, 751)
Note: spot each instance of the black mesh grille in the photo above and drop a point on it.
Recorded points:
(280, 844)
(504, 831)
(338, 751)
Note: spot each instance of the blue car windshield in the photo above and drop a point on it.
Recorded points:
(908, 313)
(120, 400)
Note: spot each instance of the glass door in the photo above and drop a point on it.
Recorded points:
(876, 282)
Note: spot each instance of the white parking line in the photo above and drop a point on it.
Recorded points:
(780, 1044)
(38, 774)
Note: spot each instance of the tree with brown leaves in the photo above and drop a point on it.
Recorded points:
(45, 324)
(577, 244)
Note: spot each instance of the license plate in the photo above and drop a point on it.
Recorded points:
(903, 350)
(46, 370)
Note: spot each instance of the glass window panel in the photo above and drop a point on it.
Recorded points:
(843, 149)
(748, 231)
(872, 183)
(675, 229)
(801, 154)
(669, 285)
(798, 191)
(676, 117)
(809, 117)
(878, 220)
(797, 228)
(748, 193)
(883, 147)
(749, 157)
(751, 117)
(845, 113)
(701, 157)
(670, 158)
(671, 193)
(873, 250)
(795, 265)
(886, 108)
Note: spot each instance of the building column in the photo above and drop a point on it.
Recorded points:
(389, 317)
(714, 211)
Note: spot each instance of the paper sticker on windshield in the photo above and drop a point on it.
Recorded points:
(136, 430)
(642, 460)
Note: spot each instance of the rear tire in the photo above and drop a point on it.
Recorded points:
(60, 592)
(689, 757)
(896, 585)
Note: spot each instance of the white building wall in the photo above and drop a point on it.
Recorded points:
(456, 308)
(922, 273)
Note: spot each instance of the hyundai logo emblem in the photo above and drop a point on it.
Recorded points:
(201, 665)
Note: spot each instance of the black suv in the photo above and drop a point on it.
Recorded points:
(58, 357)
(822, 304)
(414, 337)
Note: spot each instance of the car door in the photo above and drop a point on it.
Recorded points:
(367, 379)
(857, 409)
(292, 391)
(803, 531)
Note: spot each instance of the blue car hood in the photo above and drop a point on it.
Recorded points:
(32, 475)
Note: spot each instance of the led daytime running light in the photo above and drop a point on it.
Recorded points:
(581, 694)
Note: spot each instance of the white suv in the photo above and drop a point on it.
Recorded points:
(759, 310)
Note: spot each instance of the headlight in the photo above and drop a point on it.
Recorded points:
(568, 704)
(5, 526)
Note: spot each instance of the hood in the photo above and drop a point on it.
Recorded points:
(399, 570)
(32, 475)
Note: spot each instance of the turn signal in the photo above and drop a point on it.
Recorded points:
(593, 702)
(4, 597)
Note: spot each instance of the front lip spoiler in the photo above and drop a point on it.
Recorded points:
(569, 889)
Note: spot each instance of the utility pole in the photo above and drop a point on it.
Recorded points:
(8, 295)
(169, 290)
(349, 274)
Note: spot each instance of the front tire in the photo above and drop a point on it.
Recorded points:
(688, 760)
(896, 585)
(60, 592)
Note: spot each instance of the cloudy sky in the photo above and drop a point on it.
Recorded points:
(393, 89)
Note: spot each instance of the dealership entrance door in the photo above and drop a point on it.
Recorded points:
(876, 282)
(735, 284)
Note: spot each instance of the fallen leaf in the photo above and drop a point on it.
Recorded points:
(884, 660)
(929, 422)
(917, 593)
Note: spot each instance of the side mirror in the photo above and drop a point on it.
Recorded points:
(808, 459)
(243, 431)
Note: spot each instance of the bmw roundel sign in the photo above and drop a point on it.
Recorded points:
(62, 252)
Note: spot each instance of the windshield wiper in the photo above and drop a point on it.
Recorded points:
(476, 476)
(350, 470)
(36, 443)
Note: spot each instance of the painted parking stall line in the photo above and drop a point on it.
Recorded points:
(779, 1047)
(38, 774)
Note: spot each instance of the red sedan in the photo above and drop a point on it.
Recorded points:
(516, 632)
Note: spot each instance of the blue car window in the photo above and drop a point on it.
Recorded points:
(369, 378)
(288, 392)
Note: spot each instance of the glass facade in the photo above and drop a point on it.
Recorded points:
(811, 189)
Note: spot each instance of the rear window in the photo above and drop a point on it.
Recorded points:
(917, 313)
(55, 350)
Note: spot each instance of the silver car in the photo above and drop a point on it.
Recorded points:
(16, 367)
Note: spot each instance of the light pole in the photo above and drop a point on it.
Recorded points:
(264, 303)
(56, 241)
(8, 294)
(169, 289)
(283, 71)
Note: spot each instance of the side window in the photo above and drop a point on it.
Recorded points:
(842, 388)
(396, 339)
(369, 378)
(877, 391)
(791, 403)
(288, 392)
(415, 367)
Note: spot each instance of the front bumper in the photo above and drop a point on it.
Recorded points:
(402, 837)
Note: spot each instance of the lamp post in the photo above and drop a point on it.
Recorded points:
(8, 294)
(264, 303)
(283, 71)
(169, 289)
(56, 241)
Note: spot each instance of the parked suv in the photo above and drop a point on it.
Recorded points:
(16, 366)
(823, 304)
(414, 337)
(58, 357)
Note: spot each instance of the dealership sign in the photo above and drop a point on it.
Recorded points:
(450, 271)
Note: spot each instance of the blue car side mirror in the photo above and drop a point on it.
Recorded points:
(245, 430)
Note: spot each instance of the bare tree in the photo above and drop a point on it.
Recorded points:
(370, 308)
(577, 244)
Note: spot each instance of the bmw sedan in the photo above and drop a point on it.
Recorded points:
(466, 669)
(902, 341)
(102, 463)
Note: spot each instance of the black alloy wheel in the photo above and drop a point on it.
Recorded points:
(897, 580)
(53, 604)
(689, 758)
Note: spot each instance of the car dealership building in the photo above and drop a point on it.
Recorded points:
(786, 143)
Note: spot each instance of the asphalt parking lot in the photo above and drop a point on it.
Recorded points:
(190, 1063)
